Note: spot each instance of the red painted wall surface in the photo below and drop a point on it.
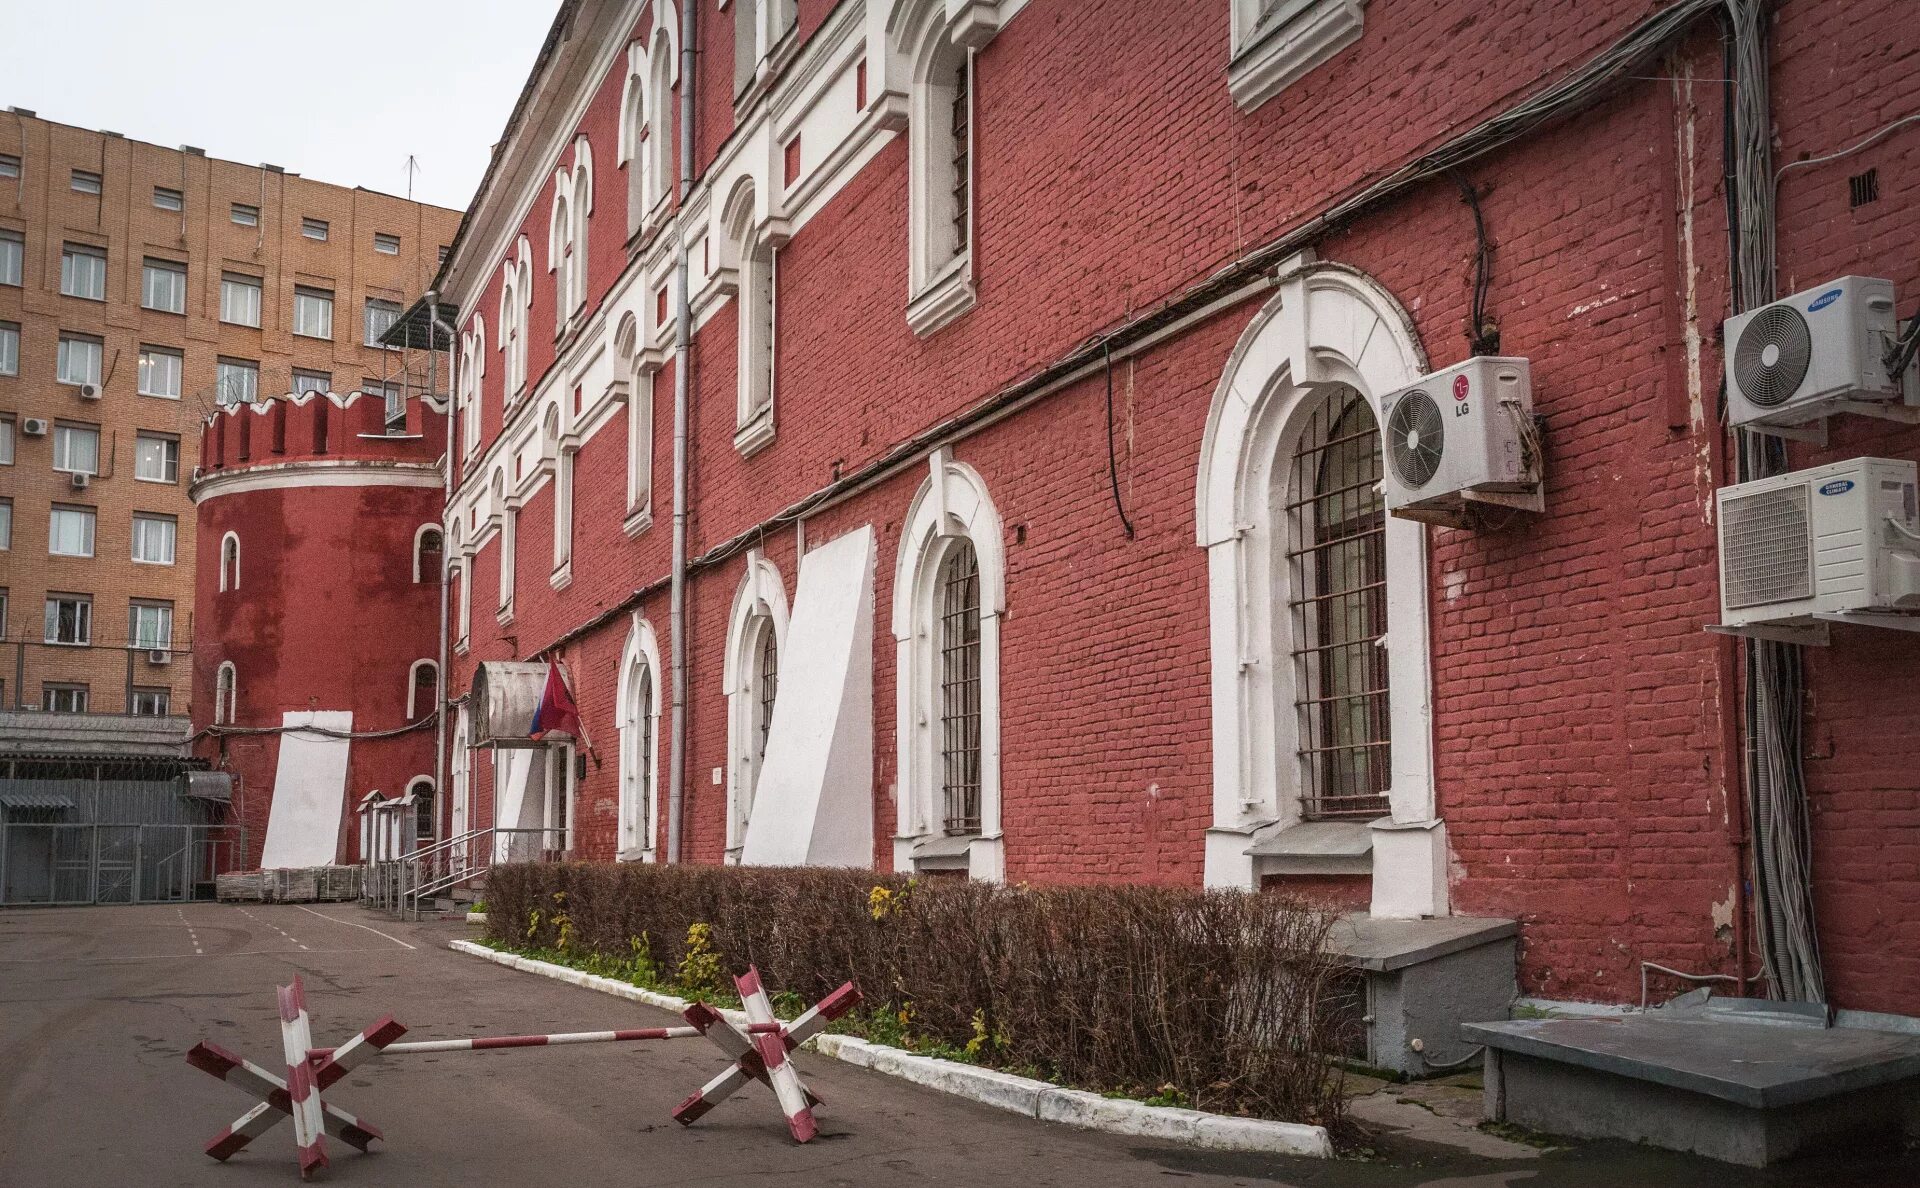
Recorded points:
(1579, 710)
(327, 614)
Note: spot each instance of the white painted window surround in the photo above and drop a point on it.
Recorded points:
(418, 706)
(639, 721)
(760, 28)
(1276, 42)
(940, 262)
(637, 376)
(473, 370)
(557, 457)
(229, 562)
(567, 234)
(753, 247)
(1327, 325)
(759, 606)
(226, 694)
(951, 505)
(516, 298)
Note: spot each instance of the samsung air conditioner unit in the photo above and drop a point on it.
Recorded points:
(89, 391)
(159, 656)
(34, 427)
(80, 480)
(1460, 439)
(1813, 354)
(1822, 544)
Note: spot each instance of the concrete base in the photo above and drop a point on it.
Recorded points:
(1751, 1093)
(1581, 1103)
(1424, 979)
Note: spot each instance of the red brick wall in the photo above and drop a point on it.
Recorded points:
(1580, 712)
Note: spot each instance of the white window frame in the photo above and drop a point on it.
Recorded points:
(370, 336)
(639, 801)
(175, 289)
(557, 457)
(459, 568)
(951, 504)
(166, 527)
(166, 198)
(226, 694)
(64, 436)
(83, 271)
(230, 562)
(6, 538)
(84, 181)
(169, 458)
(386, 243)
(507, 508)
(759, 606)
(305, 381)
(637, 374)
(1274, 43)
(315, 229)
(9, 348)
(166, 364)
(312, 312)
(414, 711)
(750, 245)
(243, 214)
(7, 429)
(419, 541)
(940, 279)
(89, 352)
(13, 257)
(567, 234)
(631, 149)
(759, 27)
(239, 289)
(80, 694)
(89, 520)
(516, 299)
(473, 374)
(1326, 325)
(460, 777)
(83, 620)
(227, 394)
(150, 701)
(163, 613)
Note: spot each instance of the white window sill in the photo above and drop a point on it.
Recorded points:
(1274, 58)
(642, 855)
(637, 521)
(755, 435)
(152, 395)
(460, 646)
(504, 616)
(948, 295)
(562, 577)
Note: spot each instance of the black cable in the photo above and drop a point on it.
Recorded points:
(1483, 337)
(1901, 353)
(1113, 465)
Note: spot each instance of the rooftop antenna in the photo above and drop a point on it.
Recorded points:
(413, 167)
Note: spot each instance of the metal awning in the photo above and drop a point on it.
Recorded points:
(35, 800)
(207, 785)
(415, 330)
(504, 697)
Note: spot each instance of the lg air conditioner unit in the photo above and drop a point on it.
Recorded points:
(159, 656)
(1460, 439)
(1829, 543)
(89, 391)
(80, 480)
(1814, 354)
(34, 427)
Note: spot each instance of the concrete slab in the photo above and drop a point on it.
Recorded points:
(1749, 1064)
(1367, 942)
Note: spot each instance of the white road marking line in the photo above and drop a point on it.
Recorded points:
(350, 924)
(191, 934)
(182, 956)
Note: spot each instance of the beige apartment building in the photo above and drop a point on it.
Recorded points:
(140, 286)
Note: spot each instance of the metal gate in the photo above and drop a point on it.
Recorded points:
(108, 841)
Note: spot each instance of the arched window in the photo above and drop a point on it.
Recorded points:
(423, 689)
(226, 695)
(459, 586)
(754, 305)
(639, 723)
(460, 771)
(940, 165)
(426, 825)
(516, 295)
(562, 259)
(635, 132)
(429, 553)
(1337, 603)
(627, 357)
(746, 44)
(756, 629)
(505, 541)
(663, 58)
(959, 645)
(555, 455)
(949, 587)
(1321, 690)
(230, 562)
(473, 370)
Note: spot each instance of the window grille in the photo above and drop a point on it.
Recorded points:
(1336, 560)
(643, 756)
(768, 666)
(960, 687)
(962, 118)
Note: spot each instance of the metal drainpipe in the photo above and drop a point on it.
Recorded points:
(682, 351)
(434, 322)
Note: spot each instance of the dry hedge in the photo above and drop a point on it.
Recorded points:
(1224, 997)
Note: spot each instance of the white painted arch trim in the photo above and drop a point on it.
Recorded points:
(1327, 324)
(642, 647)
(230, 580)
(316, 474)
(952, 504)
(419, 538)
(760, 597)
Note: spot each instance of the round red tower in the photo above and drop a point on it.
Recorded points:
(315, 643)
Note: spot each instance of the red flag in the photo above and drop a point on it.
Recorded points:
(556, 712)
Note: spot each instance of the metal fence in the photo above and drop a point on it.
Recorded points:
(80, 841)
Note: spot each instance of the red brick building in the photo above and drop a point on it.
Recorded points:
(1038, 358)
(316, 655)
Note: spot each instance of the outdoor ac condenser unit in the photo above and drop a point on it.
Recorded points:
(1812, 354)
(1458, 436)
(34, 427)
(1835, 540)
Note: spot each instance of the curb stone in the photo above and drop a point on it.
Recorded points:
(991, 1087)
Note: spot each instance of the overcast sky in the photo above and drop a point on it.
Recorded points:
(342, 91)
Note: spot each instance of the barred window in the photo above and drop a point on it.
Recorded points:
(1336, 559)
(766, 684)
(959, 645)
